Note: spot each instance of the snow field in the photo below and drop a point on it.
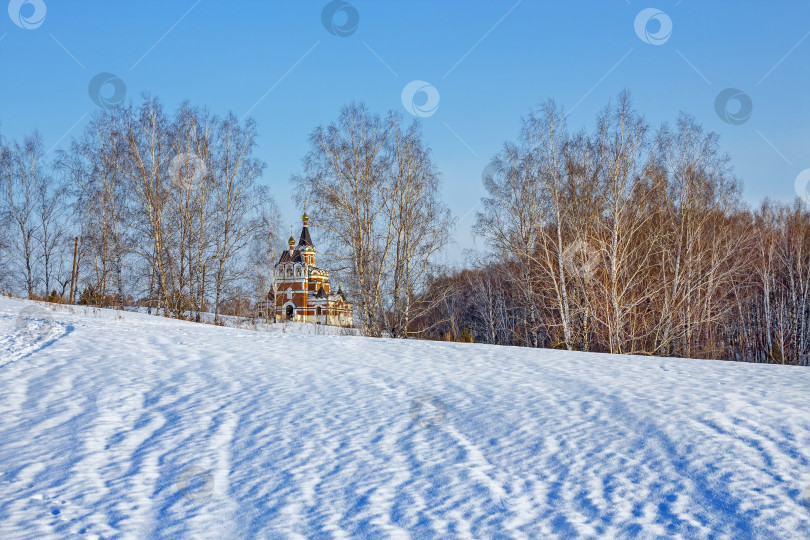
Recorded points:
(129, 425)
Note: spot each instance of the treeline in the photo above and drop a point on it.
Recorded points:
(623, 238)
(166, 209)
(628, 239)
(169, 215)
(374, 192)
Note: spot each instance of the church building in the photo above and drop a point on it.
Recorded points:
(303, 292)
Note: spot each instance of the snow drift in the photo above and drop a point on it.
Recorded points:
(128, 425)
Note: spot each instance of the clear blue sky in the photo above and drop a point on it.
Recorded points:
(488, 68)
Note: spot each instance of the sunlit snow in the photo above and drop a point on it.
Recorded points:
(130, 425)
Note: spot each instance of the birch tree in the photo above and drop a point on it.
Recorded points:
(24, 171)
(235, 172)
(373, 190)
(344, 174)
(149, 152)
(420, 223)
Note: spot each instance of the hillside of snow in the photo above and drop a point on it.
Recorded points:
(125, 425)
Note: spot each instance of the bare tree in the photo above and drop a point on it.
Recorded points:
(235, 213)
(702, 254)
(24, 172)
(95, 166)
(149, 152)
(374, 192)
(263, 257)
(420, 222)
(525, 216)
(344, 173)
(627, 164)
(53, 213)
(632, 237)
(5, 217)
(192, 203)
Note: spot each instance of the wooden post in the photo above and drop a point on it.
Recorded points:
(73, 275)
(272, 255)
(202, 298)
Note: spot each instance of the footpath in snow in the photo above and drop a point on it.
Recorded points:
(125, 425)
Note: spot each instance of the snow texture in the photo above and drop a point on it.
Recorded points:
(125, 425)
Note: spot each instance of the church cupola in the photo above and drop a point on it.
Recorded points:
(305, 242)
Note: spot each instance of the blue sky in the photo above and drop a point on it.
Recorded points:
(489, 62)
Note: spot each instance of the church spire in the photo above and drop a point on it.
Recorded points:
(306, 239)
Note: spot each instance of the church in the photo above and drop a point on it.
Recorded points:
(303, 292)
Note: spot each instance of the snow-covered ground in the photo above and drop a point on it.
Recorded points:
(257, 323)
(130, 425)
